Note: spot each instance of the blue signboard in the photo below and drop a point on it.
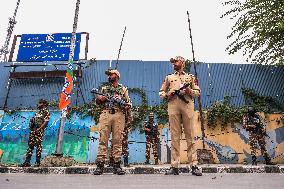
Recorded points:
(47, 47)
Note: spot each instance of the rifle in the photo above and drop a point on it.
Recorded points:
(259, 127)
(112, 100)
(151, 130)
(32, 124)
(177, 92)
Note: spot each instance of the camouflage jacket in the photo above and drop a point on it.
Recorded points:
(254, 120)
(41, 116)
(120, 91)
(151, 129)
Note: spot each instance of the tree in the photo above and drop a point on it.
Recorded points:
(258, 30)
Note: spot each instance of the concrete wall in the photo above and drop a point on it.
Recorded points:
(81, 140)
(231, 145)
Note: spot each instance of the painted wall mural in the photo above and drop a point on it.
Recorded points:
(14, 132)
(81, 140)
(231, 145)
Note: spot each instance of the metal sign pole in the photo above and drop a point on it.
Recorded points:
(70, 67)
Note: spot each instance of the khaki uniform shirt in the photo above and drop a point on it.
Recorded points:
(175, 81)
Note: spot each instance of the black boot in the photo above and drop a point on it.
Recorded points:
(111, 163)
(156, 162)
(268, 160)
(253, 160)
(117, 169)
(100, 168)
(125, 162)
(37, 162)
(27, 162)
(196, 171)
(147, 161)
(172, 171)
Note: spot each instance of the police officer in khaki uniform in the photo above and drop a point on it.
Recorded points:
(180, 111)
(112, 119)
(37, 126)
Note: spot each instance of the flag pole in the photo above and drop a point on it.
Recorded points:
(68, 85)
(116, 65)
(204, 155)
(199, 97)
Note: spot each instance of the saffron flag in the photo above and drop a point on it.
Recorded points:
(65, 96)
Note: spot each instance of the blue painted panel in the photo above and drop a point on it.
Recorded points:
(47, 47)
(225, 79)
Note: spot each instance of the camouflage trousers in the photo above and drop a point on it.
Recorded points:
(152, 142)
(125, 151)
(35, 140)
(259, 139)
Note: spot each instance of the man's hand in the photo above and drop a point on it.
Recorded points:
(31, 120)
(39, 130)
(42, 126)
(188, 91)
(146, 129)
(100, 99)
(252, 126)
(170, 95)
(127, 106)
(131, 118)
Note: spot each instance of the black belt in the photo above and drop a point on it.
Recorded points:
(112, 110)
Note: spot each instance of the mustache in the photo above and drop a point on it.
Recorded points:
(111, 80)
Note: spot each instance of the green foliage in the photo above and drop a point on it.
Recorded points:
(262, 103)
(93, 60)
(53, 104)
(226, 113)
(161, 112)
(11, 112)
(258, 30)
(188, 64)
(88, 109)
(139, 112)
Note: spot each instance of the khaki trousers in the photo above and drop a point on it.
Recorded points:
(181, 114)
(110, 122)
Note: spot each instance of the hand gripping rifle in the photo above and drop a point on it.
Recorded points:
(259, 129)
(178, 92)
(112, 101)
(32, 124)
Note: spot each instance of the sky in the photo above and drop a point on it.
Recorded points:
(156, 29)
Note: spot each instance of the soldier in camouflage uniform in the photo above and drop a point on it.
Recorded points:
(37, 126)
(125, 151)
(152, 138)
(112, 119)
(253, 123)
